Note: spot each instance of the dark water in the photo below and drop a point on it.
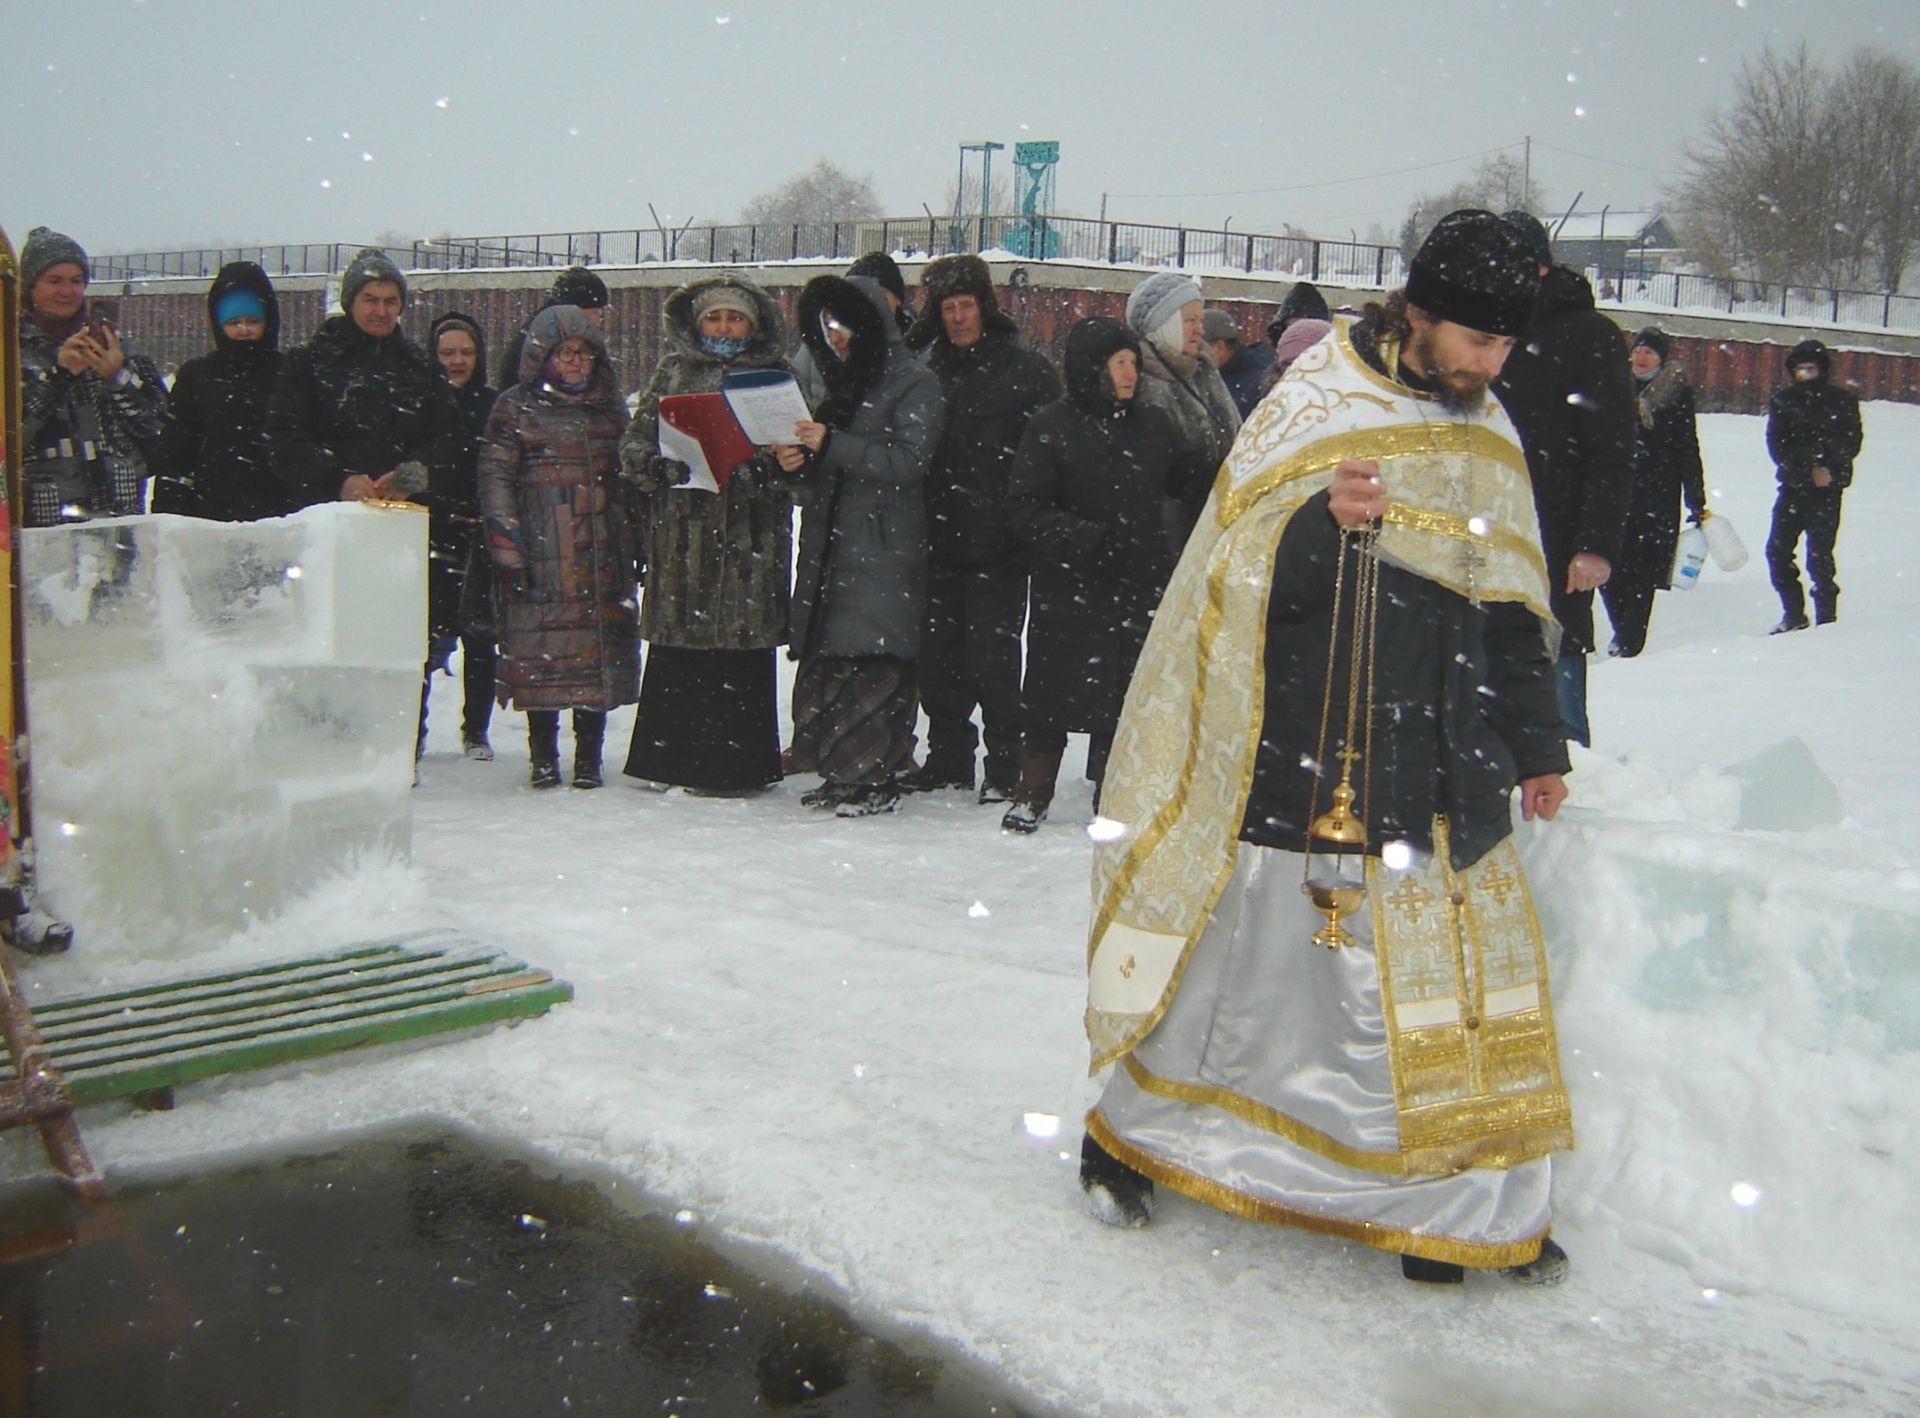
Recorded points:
(416, 1278)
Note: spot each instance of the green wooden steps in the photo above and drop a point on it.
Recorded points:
(383, 992)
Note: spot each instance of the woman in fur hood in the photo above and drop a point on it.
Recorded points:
(718, 562)
(1666, 468)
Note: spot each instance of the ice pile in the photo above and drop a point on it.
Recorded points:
(222, 714)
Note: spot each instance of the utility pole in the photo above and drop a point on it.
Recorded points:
(1526, 173)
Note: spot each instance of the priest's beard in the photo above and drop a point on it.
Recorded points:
(1458, 392)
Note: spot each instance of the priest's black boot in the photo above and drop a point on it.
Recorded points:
(1432, 1272)
(1116, 1194)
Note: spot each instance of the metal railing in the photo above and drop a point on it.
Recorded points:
(1365, 265)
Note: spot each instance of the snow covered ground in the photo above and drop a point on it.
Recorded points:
(841, 1045)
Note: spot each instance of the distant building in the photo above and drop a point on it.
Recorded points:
(1636, 243)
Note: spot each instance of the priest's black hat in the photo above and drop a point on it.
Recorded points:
(1475, 270)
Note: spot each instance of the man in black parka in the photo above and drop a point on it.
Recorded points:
(1813, 436)
(359, 399)
(1568, 388)
(977, 577)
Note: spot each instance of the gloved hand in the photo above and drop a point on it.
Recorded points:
(755, 474)
(671, 471)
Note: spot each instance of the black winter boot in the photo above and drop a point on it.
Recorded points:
(589, 731)
(1432, 1272)
(1550, 1267)
(1116, 1194)
(1033, 796)
(545, 774)
(543, 747)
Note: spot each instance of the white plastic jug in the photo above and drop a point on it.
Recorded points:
(1688, 558)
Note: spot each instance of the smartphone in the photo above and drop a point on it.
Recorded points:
(102, 312)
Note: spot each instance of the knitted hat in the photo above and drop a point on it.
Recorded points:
(884, 269)
(1218, 325)
(370, 264)
(957, 275)
(239, 304)
(1475, 270)
(1300, 336)
(1529, 229)
(724, 297)
(1158, 298)
(1654, 339)
(1810, 352)
(46, 249)
(578, 286)
(1303, 302)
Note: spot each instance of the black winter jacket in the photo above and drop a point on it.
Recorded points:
(214, 433)
(990, 389)
(348, 403)
(1568, 387)
(453, 500)
(1085, 497)
(1813, 425)
(1666, 470)
(1464, 705)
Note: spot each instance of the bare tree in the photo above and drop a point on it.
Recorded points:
(1499, 182)
(1808, 177)
(1877, 130)
(814, 201)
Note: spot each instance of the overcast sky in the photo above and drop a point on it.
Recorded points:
(137, 123)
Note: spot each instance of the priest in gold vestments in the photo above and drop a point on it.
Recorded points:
(1362, 610)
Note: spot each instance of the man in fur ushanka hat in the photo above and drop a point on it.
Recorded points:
(1402, 1088)
(976, 575)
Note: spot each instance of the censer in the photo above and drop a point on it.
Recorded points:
(1334, 877)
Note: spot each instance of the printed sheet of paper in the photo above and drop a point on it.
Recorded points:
(768, 403)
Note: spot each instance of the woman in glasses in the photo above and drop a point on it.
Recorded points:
(549, 498)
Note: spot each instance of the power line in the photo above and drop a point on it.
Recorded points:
(1616, 162)
(1334, 182)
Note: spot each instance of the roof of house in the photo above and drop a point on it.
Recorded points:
(1612, 225)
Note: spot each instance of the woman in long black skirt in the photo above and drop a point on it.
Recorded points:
(718, 562)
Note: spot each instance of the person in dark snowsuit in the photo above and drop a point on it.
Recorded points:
(1085, 497)
(90, 402)
(1303, 302)
(977, 577)
(1569, 392)
(214, 434)
(576, 286)
(1666, 469)
(1243, 367)
(859, 591)
(1813, 436)
(719, 562)
(550, 495)
(459, 569)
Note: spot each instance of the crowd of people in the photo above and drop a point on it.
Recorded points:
(1258, 532)
(972, 535)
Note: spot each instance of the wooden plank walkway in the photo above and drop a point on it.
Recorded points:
(158, 1036)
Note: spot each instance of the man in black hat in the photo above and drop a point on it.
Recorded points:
(976, 574)
(1813, 436)
(1401, 1089)
(576, 285)
(1569, 390)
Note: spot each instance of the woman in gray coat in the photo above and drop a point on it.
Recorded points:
(1165, 311)
(861, 584)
